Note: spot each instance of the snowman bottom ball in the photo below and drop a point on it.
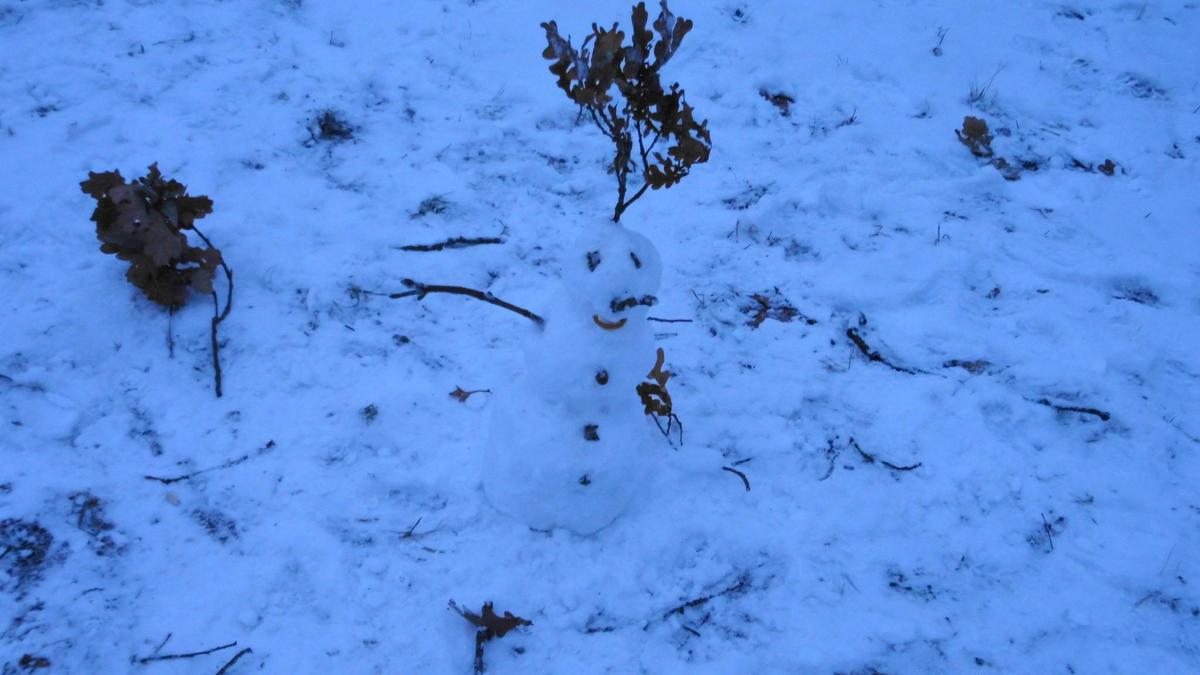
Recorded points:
(551, 468)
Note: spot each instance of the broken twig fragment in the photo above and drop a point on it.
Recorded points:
(452, 243)
(739, 474)
(1072, 408)
(873, 355)
(229, 664)
(871, 459)
(189, 655)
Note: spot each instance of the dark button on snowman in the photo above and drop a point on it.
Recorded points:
(570, 443)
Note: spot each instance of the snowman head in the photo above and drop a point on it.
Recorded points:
(615, 274)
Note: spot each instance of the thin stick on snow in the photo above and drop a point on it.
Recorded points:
(739, 474)
(420, 290)
(229, 664)
(161, 644)
(1049, 531)
(218, 314)
(189, 655)
(871, 459)
(740, 586)
(454, 242)
(873, 355)
(228, 464)
(1071, 408)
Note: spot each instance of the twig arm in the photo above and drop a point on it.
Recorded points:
(420, 290)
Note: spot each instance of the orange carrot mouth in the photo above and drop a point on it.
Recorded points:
(605, 324)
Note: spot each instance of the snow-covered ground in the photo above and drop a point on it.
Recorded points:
(337, 507)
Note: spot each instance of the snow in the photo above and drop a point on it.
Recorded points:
(327, 538)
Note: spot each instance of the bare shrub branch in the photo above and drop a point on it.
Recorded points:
(647, 108)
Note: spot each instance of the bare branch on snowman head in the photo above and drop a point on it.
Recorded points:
(647, 112)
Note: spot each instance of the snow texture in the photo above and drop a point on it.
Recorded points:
(1007, 485)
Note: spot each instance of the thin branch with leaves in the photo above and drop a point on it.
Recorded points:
(647, 109)
(143, 222)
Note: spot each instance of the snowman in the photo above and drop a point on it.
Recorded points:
(571, 445)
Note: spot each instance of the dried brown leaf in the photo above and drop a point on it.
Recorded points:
(98, 184)
(493, 625)
(671, 30)
(462, 395)
(976, 136)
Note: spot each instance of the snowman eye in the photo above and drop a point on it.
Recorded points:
(636, 262)
(593, 260)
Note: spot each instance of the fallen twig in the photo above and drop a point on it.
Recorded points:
(1071, 408)
(873, 355)
(831, 454)
(171, 332)
(739, 586)
(224, 465)
(420, 290)
(1049, 531)
(672, 418)
(161, 644)
(218, 314)
(189, 655)
(1173, 423)
(454, 242)
(229, 664)
(871, 459)
(409, 533)
(655, 318)
(739, 474)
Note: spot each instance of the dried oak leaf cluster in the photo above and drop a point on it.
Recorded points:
(648, 113)
(654, 394)
(142, 222)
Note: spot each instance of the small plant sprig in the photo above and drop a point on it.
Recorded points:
(655, 397)
(648, 113)
(143, 222)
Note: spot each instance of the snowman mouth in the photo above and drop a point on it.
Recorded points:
(608, 325)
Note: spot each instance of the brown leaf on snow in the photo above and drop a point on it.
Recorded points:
(462, 395)
(976, 136)
(491, 624)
